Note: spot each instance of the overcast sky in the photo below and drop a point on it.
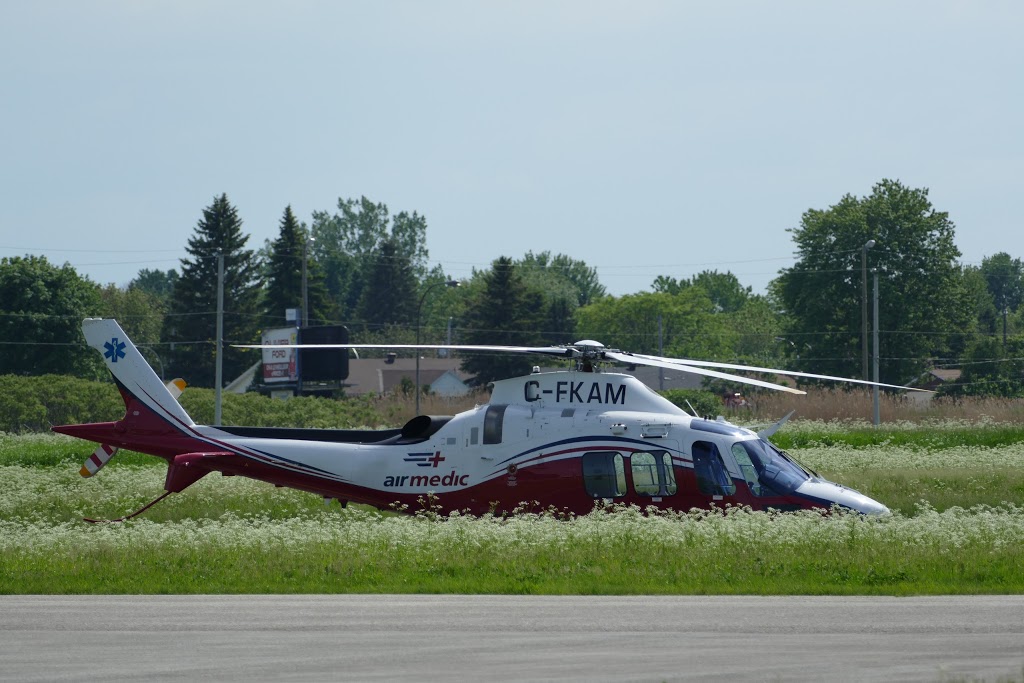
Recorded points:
(645, 138)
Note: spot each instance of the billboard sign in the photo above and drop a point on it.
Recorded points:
(279, 364)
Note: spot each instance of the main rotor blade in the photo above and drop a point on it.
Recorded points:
(774, 371)
(545, 350)
(663, 363)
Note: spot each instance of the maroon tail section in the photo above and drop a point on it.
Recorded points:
(140, 430)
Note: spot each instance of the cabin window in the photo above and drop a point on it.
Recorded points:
(493, 420)
(712, 479)
(653, 474)
(474, 436)
(604, 474)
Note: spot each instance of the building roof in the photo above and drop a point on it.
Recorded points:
(946, 374)
(375, 375)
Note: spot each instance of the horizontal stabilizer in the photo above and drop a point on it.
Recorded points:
(102, 455)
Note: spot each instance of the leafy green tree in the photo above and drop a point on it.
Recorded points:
(687, 324)
(284, 275)
(562, 268)
(982, 304)
(758, 329)
(551, 278)
(157, 283)
(724, 289)
(141, 316)
(41, 311)
(990, 368)
(347, 241)
(440, 303)
(389, 290)
(504, 312)
(922, 292)
(191, 322)
(1004, 277)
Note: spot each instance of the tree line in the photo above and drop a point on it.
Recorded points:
(368, 269)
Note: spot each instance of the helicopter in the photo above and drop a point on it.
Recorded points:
(567, 440)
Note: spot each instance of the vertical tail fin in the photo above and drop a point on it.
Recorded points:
(129, 368)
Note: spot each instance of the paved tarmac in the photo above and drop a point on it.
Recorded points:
(509, 638)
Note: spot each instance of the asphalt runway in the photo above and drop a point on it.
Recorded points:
(510, 638)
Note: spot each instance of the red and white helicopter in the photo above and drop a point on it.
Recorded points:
(566, 439)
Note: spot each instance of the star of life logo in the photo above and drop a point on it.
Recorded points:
(114, 349)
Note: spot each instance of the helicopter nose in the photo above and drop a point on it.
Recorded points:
(848, 498)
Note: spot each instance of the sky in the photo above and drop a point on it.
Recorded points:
(644, 138)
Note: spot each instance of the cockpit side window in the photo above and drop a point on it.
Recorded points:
(712, 479)
(776, 474)
(749, 470)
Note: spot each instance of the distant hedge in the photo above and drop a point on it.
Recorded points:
(34, 404)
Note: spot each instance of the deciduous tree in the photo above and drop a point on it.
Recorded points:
(347, 241)
(41, 311)
(922, 293)
(686, 324)
(1004, 277)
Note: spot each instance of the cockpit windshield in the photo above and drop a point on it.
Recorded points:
(768, 470)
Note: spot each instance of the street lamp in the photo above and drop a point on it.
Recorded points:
(419, 309)
(864, 303)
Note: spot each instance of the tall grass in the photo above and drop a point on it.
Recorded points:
(734, 551)
(958, 527)
(857, 404)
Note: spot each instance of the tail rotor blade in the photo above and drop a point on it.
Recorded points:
(100, 457)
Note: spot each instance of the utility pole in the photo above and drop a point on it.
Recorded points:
(864, 304)
(419, 310)
(661, 352)
(874, 334)
(219, 375)
(305, 282)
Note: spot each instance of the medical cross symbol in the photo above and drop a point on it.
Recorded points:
(114, 349)
(436, 459)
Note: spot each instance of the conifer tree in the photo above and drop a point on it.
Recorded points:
(506, 312)
(191, 323)
(389, 291)
(284, 275)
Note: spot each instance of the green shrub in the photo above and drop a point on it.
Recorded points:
(34, 404)
(704, 402)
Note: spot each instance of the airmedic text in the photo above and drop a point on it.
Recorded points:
(422, 480)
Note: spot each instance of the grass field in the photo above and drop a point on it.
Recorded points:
(958, 528)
